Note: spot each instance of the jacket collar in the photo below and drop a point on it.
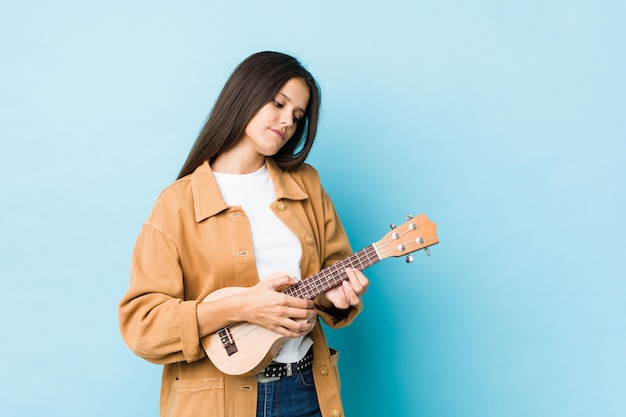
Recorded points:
(208, 200)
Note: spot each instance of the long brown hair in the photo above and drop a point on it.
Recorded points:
(254, 83)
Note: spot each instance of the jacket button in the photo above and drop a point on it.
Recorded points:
(282, 206)
(309, 241)
(324, 370)
(335, 413)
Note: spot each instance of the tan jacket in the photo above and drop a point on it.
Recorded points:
(192, 244)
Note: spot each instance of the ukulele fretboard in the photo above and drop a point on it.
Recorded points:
(333, 275)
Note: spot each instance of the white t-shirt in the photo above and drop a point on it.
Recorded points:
(276, 247)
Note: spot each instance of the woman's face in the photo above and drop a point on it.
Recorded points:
(276, 122)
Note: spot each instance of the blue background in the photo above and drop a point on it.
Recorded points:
(503, 121)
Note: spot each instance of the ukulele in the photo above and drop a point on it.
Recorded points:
(244, 348)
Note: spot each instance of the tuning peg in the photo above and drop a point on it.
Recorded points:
(393, 226)
(409, 216)
(427, 251)
(409, 259)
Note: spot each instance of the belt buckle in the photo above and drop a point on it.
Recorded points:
(262, 379)
(289, 369)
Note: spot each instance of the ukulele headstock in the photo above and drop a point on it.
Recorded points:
(415, 234)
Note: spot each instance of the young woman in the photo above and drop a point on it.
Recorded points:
(246, 211)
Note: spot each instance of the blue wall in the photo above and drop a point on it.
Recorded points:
(504, 122)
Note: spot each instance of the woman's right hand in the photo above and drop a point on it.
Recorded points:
(265, 305)
(262, 304)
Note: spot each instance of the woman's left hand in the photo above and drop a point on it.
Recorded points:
(350, 291)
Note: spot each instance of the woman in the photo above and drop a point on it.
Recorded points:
(246, 211)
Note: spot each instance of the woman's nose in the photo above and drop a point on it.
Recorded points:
(286, 119)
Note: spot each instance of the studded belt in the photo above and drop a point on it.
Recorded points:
(275, 370)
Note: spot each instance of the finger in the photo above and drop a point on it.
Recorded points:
(355, 281)
(299, 303)
(340, 298)
(352, 297)
(275, 281)
(305, 326)
(362, 280)
(300, 313)
(296, 328)
(285, 332)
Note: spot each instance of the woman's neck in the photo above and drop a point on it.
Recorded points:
(232, 162)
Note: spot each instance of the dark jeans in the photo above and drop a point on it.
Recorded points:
(292, 396)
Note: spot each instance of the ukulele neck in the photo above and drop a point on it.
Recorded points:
(333, 275)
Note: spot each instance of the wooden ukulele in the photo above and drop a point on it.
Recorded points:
(245, 349)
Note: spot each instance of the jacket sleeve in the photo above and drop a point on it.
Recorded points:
(336, 247)
(155, 320)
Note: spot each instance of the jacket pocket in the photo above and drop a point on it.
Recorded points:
(195, 397)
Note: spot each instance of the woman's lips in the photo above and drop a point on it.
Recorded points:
(279, 133)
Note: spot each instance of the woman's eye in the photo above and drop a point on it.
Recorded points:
(280, 105)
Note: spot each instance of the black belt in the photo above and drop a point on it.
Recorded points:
(277, 370)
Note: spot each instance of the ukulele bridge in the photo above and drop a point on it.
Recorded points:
(227, 341)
